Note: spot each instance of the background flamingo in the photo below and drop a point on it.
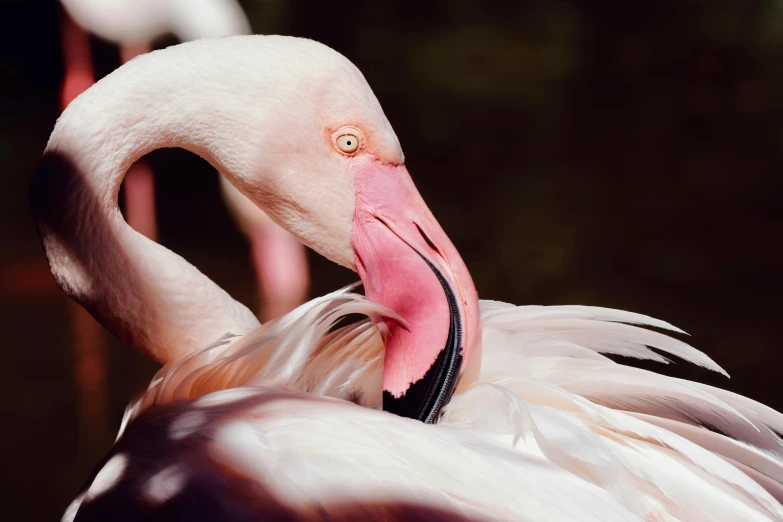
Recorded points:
(531, 425)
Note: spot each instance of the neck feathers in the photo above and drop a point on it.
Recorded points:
(148, 296)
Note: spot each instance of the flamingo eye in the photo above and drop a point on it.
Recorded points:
(348, 140)
(348, 143)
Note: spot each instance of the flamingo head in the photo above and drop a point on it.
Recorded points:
(336, 178)
(295, 127)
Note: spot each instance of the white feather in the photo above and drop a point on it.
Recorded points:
(549, 418)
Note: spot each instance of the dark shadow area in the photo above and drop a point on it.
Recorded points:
(68, 212)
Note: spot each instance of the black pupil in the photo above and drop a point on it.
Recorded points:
(348, 143)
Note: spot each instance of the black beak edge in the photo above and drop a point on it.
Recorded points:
(426, 397)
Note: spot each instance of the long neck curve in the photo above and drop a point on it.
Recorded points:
(148, 296)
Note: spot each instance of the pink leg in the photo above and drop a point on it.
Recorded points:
(89, 366)
(281, 267)
(87, 338)
(140, 199)
(79, 75)
(129, 52)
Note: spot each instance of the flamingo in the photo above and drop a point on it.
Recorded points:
(437, 405)
(278, 259)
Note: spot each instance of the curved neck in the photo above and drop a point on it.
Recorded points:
(148, 296)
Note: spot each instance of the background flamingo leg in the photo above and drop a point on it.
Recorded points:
(87, 337)
(139, 185)
(89, 371)
(280, 263)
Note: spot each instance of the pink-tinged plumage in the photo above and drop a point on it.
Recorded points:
(518, 444)
(282, 421)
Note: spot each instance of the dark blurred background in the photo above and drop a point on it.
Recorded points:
(615, 153)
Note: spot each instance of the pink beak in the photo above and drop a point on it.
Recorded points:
(409, 265)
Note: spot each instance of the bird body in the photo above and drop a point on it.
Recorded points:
(283, 421)
(290, 413)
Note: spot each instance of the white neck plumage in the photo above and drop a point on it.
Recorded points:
(150, 297)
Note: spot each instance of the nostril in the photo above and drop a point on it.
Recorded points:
(423, 235)
(384, 223)
(426, 239)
